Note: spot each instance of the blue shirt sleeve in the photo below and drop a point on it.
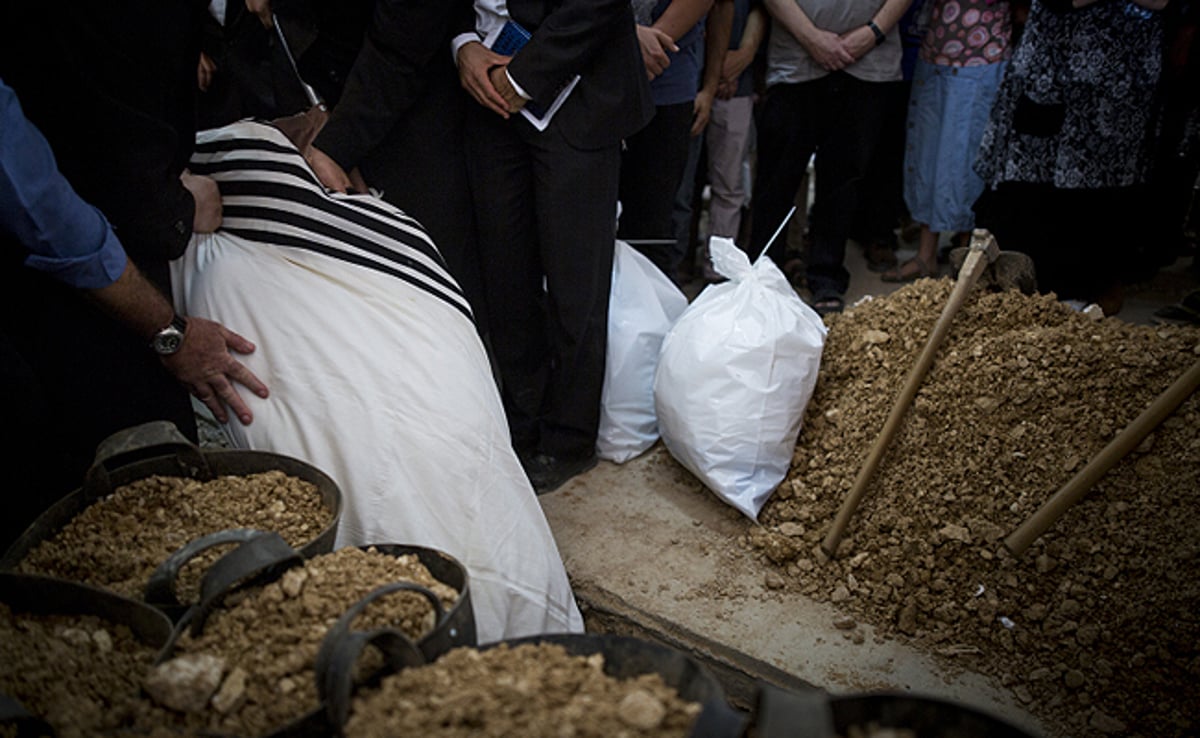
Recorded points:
(66, 237)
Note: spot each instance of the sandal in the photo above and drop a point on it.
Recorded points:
(828, 304)
(880, 255)
(1184, 312)
(913, 269)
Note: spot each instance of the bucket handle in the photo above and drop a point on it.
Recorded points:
(780, 712)
(260, 557)
(139, 440)
(341, 648)
(160, 588)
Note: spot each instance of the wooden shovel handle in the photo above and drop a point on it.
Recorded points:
(973, 266)
(1125, 441)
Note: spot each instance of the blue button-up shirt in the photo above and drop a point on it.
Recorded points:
(66, 237)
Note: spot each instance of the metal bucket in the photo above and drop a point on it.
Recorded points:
(264, 557)
(158, 448)
(816, 714)
(28, 593)
(624, 658)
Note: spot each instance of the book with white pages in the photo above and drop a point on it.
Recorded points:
(508, 40)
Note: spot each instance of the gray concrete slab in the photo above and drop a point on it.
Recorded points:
(651, 552)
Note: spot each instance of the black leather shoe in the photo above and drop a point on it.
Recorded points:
(547, 473)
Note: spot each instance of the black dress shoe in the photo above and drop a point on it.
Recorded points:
(547, 473)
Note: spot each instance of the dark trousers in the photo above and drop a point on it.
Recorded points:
(1076, 254)
(545, 211)
(421, 168)
(652, 167)
(881, 195)
(69, 378)
(839, 118)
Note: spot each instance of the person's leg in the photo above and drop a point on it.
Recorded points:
(786, 141)
(924, 264)
(575, 195)
(881, 199)
(851, 113)
(686, 210)
(501, 179)
(651, 169)
(727, 136)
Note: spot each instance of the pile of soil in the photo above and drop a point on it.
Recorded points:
(528, 690)
(117, 542)
(262, 643)
(81, 674)
(1096, 628)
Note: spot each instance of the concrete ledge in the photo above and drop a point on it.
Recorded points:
(738, 673)
(653, 554)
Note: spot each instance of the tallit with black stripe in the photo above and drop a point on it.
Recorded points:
(270, 195)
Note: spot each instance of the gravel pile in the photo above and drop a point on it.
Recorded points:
(250, 672)
(1096, 629)
(81, 674)
(529, 690)
(117, 542)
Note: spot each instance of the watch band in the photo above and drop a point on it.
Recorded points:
(880, 36)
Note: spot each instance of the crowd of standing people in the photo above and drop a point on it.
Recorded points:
(1070, 128)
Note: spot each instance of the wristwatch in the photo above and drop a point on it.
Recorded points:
(880, 36)
(169, 339)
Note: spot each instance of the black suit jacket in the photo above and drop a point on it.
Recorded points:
(595, 39)
(112, 87)
(395, 54)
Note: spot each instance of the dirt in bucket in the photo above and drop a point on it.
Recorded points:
(527, 690)
(117, 542)
(1095, 629)
(251, 670)
(80, 673)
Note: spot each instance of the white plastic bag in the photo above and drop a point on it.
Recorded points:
(734, 377)
(643, 307)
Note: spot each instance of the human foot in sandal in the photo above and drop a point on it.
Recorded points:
(924, 264)
(914, 268)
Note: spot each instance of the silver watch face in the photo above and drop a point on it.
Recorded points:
(168, 340)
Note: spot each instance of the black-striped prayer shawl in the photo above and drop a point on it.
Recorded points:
(270, 195)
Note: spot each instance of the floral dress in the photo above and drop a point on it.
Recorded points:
(961, 64)
(1076, 108)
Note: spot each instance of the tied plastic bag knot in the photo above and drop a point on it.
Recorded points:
(728, 260)
(735, 375)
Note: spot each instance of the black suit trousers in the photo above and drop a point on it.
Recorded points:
(839, 118)
(546, 216)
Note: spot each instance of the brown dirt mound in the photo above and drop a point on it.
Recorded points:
(1095, 628)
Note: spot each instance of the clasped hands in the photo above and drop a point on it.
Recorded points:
(483, 73)
(833, 51)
